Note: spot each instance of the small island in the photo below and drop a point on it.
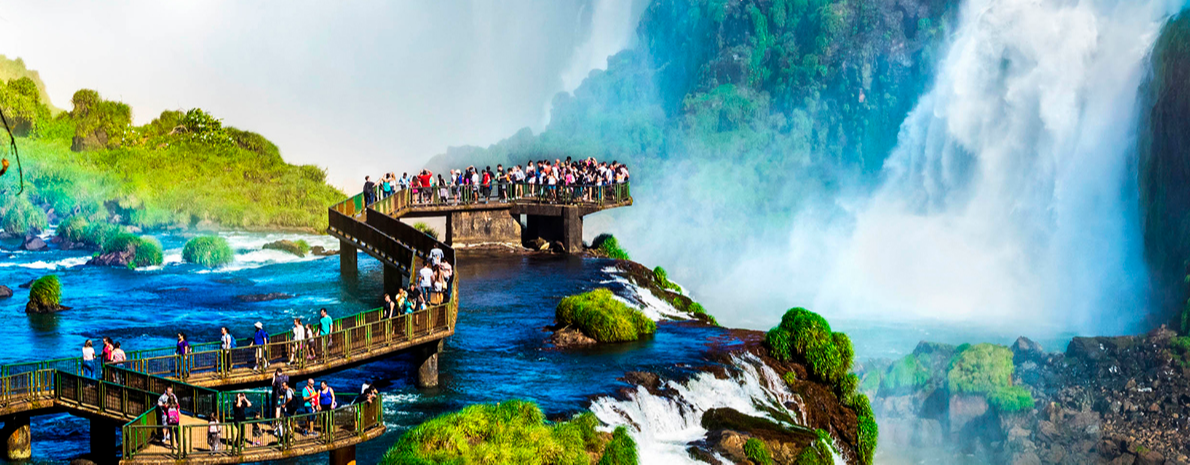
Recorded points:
(598, 317)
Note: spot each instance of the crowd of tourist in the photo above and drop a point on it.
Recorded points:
(558, 182)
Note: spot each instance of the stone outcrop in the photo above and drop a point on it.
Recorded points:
(33, 307)
(286, 246)
(320, 251)
(568, 337)
(33, 244)
(115, 258)
(5, 292)
(484, 227)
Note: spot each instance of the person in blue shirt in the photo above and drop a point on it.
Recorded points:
(324, 326)
(260, 339)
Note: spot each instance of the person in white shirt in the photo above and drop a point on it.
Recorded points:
(425, 280)
(436, 255)
(89, 359)
(299, 335)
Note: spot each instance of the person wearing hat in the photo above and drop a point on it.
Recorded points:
(260, 339)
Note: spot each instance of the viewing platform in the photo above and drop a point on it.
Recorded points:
(124, 395)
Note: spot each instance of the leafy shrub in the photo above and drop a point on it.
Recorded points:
(600, 316)
(1011, 399)
(73, 229)
(609, 246)
(980, 368)
(209, 251)
(907, 372)
(807, 335)
(789, 377)
(148, 252)
(861, 405)
(21, 216)
(120, 241)
(817, 452)
(757, 452)
(621, 450)
(426, 229)
(97, 234)
(869, 435)
(46, 291)
(847, 387)
(661, 277)
(508, 432)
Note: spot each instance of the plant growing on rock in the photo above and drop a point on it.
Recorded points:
(981, 368)
(208, 251)
(807, 335)
(298, 247)
(426, 229)
(609, 246)
(508, 432)
(46, 292)
(757, 452)
(621, 450)
(817, 452)
(661, 277)
(789, 377)
(601, 317)
(1011, 399)
(146, 250)
(905, 373)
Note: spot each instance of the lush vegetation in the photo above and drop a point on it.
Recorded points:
(601, 317)
(661, 277)
(906, 374)
(208, 251)
(621, 450)
(181, 169)
(77, 229)
(980, 369)
(426, 229)
(1011, 399)
(757, 452)
(146, 250)
(818, 452)
(46, 292)
(806, 336)
(508, 432)
(789, 377)
(609, 247)
(299, 247)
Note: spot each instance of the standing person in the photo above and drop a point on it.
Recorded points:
(425, 280)
(280, 382)
(88, 359)
(299, 335)
(325, 325)
(182, 351)
(226, 343)
(284, 407)
(239, 413)
(310, 396)
(107, 350)
(167, 398)
(311, 341)
(326, 397)
(390, 307)
(173, 418)
(439, 284)
(448, 273)
(213, 436)
(118, 355)
(260, 339)
(443, 190)
(436, 255)
(369, 191)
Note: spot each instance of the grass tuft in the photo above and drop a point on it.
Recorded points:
(621, 450)
(1011, 399)
(46, 291)
(757, 452)
(981, 368)
(426, 229)
(208, 251)
(609, 246)
(600, 316)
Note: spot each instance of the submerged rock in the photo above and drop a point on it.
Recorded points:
(298, 248)
(33, 244)
(567, 337)
(33, 307)
(263, 297)
(320, 251)
(117, 258)
(5, 292)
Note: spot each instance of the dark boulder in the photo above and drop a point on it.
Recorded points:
(33, 307)
(320, 251)
(27, 284)
(1025, 350)
(5, 292)
(33, 244)
(570, 337)
(116, 258)
(263, 297)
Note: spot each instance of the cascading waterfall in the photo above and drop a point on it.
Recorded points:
(1011, 196)
(663, 425)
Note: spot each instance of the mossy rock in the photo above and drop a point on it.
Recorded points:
(45, 295)
(208, 251)
(608, 246)
(1011, 399)
(757, 452)
(904, 376)
(980, 369)
(298, 247)
(146, 251)
(508, 432)
(601, 317)
(806, 335)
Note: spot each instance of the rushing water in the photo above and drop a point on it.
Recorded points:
(497, 353)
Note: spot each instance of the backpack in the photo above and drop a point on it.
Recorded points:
(174, 417)
(233, 342)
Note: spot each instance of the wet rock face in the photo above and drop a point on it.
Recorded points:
(5, 292)
(33, 307)
(320, 251)
(116, 258)
(33, 244)
(568, 337)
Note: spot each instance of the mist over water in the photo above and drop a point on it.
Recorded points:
(1010, 201)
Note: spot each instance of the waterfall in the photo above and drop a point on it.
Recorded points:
(663, 425)
(1012, 195)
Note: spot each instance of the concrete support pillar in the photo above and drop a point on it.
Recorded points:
(572, 230)
(103, 441)
(426, 358)
(16, 434)
(393, 280)
(449, 238)
(343, 456)
(348, 259)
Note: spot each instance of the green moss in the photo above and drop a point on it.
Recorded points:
(509, 432)
(600, 316)
(701, 313)
(621, 450)
(860, 404)
(426, 229)
(789, 377)
(661, 278)
(806, 334)
(1011, 399)
(848, 386)
(46, 291)
(609, 246)
(905, 374)
(817, 452)
(1181, 343)
(869, 435)
(208, 251)
(147, 251)
(757, 452)
(981, 368)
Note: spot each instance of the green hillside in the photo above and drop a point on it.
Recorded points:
(183, 169)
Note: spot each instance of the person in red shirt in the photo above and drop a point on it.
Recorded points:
(425, 177)
(487, 184)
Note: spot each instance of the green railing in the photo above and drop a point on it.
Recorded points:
(611, 194)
